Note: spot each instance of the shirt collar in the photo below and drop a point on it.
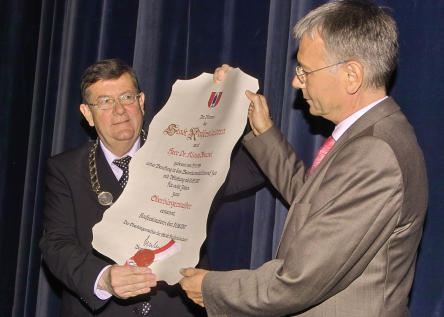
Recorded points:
(342, 126)
(110, 157)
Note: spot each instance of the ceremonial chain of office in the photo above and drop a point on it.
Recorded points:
(105, 198)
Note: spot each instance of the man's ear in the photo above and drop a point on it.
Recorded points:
(142, 102)
(86, 111)
(354, 76)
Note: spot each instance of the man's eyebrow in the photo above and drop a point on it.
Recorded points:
(122, 93)
(128, 91)
(101, 96)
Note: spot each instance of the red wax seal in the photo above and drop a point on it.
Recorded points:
(143, 257)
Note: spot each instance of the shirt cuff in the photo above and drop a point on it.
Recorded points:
(100, 293)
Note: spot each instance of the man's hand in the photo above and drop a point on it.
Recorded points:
(127, 281)
(192, 284)
(221, 72)
(258, 113)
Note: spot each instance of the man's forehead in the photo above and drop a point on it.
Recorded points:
(112, 85)
(310, 47)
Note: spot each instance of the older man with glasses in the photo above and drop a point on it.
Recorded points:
(81, 185)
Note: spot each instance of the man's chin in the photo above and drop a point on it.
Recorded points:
(125, 135)
(311, 109)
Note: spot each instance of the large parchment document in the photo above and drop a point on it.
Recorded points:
(175, 175)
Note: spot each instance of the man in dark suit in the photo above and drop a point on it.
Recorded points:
(81, 184)
(350, 240)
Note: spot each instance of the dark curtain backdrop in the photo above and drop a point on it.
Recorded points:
(46, 45)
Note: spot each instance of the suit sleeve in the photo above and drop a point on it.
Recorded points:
(244, 174)
(328, 241)
(73, 264)
(284, 170)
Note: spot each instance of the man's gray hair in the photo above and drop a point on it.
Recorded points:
(355, 30)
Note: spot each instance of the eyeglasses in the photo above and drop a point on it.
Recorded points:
(302, 74)
(107, 102)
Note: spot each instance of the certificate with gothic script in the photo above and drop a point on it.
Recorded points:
(175, 175)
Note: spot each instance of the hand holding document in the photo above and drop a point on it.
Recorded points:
(175, 175)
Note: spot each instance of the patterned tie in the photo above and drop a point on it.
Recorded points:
(123, 164)
(143, 310)
(321, 154)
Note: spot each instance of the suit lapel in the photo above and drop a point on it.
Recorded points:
(382, 110)
(107, 179)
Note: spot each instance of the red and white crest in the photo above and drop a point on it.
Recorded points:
(214, 99)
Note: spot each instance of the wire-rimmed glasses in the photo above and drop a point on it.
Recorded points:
(108, 102)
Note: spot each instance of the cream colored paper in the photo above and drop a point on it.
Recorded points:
(174, 177)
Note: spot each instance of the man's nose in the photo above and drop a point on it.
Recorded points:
(296, 83)
(119, 108)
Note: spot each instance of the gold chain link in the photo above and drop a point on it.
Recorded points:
(93, 168)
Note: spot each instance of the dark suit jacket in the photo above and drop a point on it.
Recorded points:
(350, 240)
(70, 212)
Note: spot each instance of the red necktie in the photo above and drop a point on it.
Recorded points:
(321, 154)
